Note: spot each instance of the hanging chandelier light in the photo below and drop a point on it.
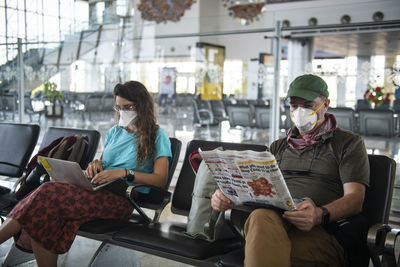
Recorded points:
(164, 10)
(247, 11)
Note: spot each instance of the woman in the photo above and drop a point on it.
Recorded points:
(136, 152)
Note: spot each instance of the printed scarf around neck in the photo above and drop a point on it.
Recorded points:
(296, 141)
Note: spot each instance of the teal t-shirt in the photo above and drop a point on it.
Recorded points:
(120, 151)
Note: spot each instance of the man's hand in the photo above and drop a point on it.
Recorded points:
(305, 217)
(220, 202)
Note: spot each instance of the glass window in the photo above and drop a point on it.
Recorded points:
(351, 91)
(21, 5)
(122, 8)
(12, 22)
(233, 77)
(181, 84)
(50, 7)
(11, 3)
(33, 5)
(191, 85)
(377, 70)
(33, 26)
(81, 11)
(2, 22)
(21, 24)
(66, 27)
(3, 56)
(78, 77)
(66, 8)
(12, 49)
(51, 30)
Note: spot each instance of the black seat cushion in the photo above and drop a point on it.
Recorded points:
(169, 237)
(102, 226)
(232, 259)
(7, 203)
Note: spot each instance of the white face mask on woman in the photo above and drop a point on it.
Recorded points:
(126, 117)
(305, 119)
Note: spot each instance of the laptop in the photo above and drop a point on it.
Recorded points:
(68, 172)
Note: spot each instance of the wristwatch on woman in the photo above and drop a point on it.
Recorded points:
(130, 177)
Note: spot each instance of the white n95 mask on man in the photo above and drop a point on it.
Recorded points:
(126, 117)
(305, 119)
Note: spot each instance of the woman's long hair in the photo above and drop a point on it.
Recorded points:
(146, 124)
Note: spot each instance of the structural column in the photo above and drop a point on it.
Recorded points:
(363, 71)
(93, 82)
(388, 84)
(275, 101)
(65, 78)
(341, 92)
(299, 55)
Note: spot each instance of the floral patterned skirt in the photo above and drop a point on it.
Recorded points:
(52, 214)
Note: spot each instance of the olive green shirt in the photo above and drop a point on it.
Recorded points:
(320, 170)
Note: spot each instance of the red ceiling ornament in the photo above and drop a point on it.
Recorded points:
(164, 10)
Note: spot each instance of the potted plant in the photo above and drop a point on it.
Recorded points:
(55, 109)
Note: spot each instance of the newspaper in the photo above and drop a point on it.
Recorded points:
(249, 178)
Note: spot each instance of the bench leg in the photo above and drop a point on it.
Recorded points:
(111, 255)
(98, 251)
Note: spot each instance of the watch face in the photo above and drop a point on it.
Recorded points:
(131, 176)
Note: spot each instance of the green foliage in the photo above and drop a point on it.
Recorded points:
(51, 92)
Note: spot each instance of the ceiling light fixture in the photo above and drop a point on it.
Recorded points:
(378, 16)
(312, 21)
(345, 19)
(245, 12)
(164, 10)
(285, 23)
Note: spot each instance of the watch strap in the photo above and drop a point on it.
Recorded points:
(325, 216)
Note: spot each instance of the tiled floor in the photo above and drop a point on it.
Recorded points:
(177, 123)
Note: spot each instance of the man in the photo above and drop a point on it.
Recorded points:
(321, 163)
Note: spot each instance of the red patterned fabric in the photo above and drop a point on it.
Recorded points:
(53, 213)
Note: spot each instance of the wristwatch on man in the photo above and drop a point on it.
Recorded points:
(325, 216)
(131, 176)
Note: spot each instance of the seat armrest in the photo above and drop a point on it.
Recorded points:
(229, 220)
(209, 113)
(389, 256)
(129, 193)
(156, 200)
(13, 165)
(376, 241)
(236, 219)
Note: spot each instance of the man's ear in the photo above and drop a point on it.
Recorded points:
(327, 102)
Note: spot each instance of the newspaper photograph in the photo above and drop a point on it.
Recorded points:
(249, 177)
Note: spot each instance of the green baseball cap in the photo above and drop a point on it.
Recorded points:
(308, 86)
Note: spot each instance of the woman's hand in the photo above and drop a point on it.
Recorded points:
(94, 167)
(220, 202)
(108, 175)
